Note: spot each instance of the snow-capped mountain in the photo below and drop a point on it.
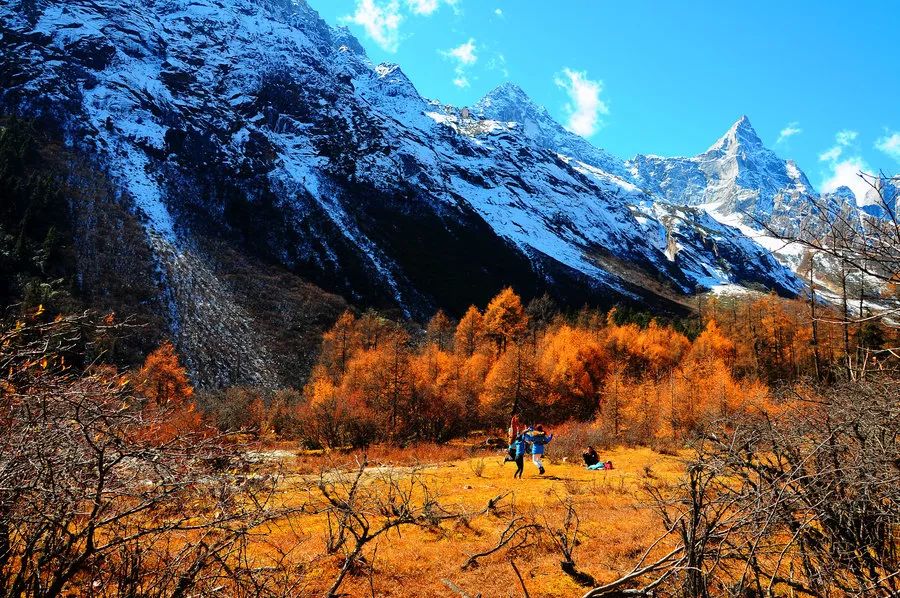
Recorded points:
(254, 123)
(736, 175)
(509, 103)
(882, 200)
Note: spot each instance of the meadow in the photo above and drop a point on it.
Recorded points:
(617, 523)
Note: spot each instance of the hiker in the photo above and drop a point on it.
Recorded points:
(519, 446)
(510, 452)
(513, 428)
(513, 436)
(538, 439)
(590, 456)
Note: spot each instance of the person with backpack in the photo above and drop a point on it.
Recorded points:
(513, 434)
(538, 439)
(519, 447)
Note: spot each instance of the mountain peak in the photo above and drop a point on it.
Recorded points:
(844, 193)
(391, 72)
(504, 94)
(741, 134)
(743, 127)
(509, 102)
(343, 38)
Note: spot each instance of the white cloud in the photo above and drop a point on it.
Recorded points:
(464, 55)
(423, 7)
(790, 130)
(498, 12)
(845, 172)
(842, 139)
(846, 137)
(461, 81)
(585, 106)
(498, 63)
(381, 20)
(832, 154)
(428, 7)
(890, 144)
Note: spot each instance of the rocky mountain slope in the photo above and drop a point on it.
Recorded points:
(251, 131)
(738, 174)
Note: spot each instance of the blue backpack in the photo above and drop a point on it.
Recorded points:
(539, 438)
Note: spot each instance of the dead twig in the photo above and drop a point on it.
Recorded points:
(518, 528)
(521, 580)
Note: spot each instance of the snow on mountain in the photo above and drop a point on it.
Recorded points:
(742, 184)
(255, 122)
(736, 175)
(882, 200)
(509, 103)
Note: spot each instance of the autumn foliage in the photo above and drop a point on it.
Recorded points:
(635, 379)
(379, 380)
(162, 384)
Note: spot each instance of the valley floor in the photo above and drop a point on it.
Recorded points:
(616, 525)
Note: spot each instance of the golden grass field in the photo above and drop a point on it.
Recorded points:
(617, 524)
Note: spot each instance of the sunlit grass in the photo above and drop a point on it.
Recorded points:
(617, 523)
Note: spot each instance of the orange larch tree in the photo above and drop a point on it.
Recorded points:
(163, 384)
(511, 385)
(162, 380)
(505, 319)
(574, 365)
(469, 332)
(438, 408)
(380, 378)
(339, 344)
(439, 331)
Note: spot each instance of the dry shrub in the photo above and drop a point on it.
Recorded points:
(573, 487)
(108, 492)
(305, 464)
(611, 484)
(477, 466)
(666, 446)
(570, 440)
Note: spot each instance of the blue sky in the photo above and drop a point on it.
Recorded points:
(820, 80)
